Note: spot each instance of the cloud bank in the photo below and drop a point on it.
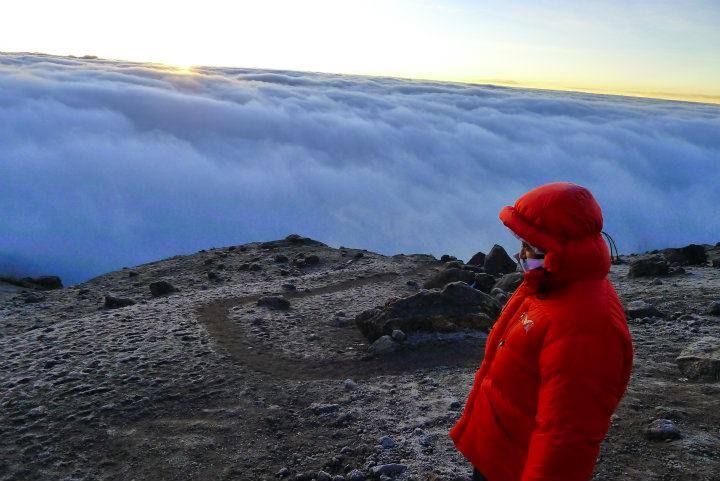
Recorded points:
(107, 164)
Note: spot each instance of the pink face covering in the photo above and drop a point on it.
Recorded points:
(529, 264)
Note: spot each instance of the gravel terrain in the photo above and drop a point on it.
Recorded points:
(202, 383)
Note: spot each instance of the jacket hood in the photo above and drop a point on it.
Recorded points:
(565, 221)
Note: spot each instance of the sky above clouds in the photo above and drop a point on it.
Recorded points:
(110, 164)
(652, 48)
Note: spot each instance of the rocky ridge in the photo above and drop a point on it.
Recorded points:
(290, 359)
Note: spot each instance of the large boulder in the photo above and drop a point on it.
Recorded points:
(640, 308)
(701, 360)
(161, 288)
(113, 302)
(690, 255)
(457, 306)
(446, 276)
(478, 259)
(509, 282)
(654, 265)
(498, 262)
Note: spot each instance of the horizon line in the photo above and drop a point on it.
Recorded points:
(703, 99)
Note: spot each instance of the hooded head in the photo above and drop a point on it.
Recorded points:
(565, 221)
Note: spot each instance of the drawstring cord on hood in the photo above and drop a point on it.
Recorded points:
(611, 242)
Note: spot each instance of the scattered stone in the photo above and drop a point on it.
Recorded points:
(383, 345)
(398, 335)
(281, 258)
(478, 259)
(447, 258)
(662, 430)
(412, 283)
(112, 302)
(274, 302)
(323, 476)
(654, 265)
(312, 260)
(392, 470)
(319, 408)
(701, 360)
(656, 282)
(509, 282)
(355, 475)
(161, 288)
(714, 309)
(457, 306)
(350, 385)
(386, 442)
(283, 473)
(498, 261)
(640, 308)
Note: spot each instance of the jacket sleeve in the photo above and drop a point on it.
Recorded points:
(581, 382)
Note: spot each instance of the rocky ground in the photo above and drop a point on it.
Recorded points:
(204, 376)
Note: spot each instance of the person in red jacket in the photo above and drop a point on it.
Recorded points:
(559, 357)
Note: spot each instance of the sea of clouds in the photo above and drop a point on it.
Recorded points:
(107, 164)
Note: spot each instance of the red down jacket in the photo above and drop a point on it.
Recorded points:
(559, 357)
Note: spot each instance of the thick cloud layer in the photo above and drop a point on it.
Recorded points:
(108, 164)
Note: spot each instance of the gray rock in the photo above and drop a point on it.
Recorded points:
(323, 476)
(498, 261)
(655, 265)
(639, 308)
(509, 282)
(690, 255)
(274, 302)
(386, 442)
(661, 430)
(350, 385)
(392, 470)
(355, 475)
(458, 306)
(319, 408)
(478, 259)
(384, 345)
(446, 276)
(714, 308)
(398, 335)
(112, 302)
(701, 360)
(161, 288)
(283, 473)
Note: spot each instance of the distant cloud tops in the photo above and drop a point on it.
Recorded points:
(105, 164)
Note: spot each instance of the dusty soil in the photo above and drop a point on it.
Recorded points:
(205, 384)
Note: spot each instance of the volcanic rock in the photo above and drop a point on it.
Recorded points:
(498, 261)
(690, 255)
(655, 265)
(446, 276)
(701, 360)
(509, 282)
(640, 308)
(457, 306)
(661, 430)
(112, 302)
(161, 288)
(478, 259)
(274, 302)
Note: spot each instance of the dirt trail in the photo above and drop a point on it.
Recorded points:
(242, 350)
